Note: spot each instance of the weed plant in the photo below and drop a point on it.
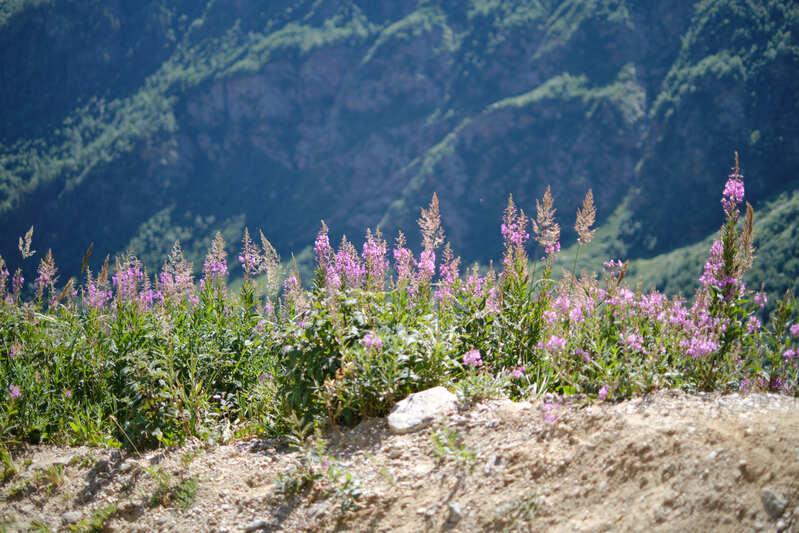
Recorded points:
(124, 358)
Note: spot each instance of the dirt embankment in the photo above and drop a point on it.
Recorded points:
(667, 462)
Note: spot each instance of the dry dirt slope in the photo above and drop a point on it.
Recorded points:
(667, 462)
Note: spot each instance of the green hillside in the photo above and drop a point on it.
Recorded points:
(132, 125)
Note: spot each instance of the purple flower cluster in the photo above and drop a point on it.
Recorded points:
(215, 267)
(374, 253)
(555, 344)
(403, 262)
(472, 358)
(426, 266)
(634, 343)
(733, 193)
(551, 248)
(372, 340)
(603, 393)
(96, 296)
(14, 392)
(448, 273)
(514, 233)
(349, 267)
(761, 299)
(794, 329)
(17, 281)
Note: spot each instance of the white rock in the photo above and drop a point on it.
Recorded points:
(420, 409)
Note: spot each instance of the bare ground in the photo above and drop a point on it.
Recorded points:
(666, 462)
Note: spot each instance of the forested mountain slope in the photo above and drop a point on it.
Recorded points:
(135, 124)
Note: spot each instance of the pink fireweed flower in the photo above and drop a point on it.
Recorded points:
(426, 266)
(513, 231)
(14, 392)
(550, 317)
(448, 274)
(551, 249)
(733, 193)
(556, 344)
(3, 278)
(584, 354)
(761, 299)
(67, 393)
(321, 249)
(493, 302)
(474, 285)
(372, 340)
(374, 253)
(789, 354)
(215, 265)
(753, 325)
(518, 372)
(472, 358)
(698, 347)
(794, 329)
(614, 266)
(17, 281)
(562, 303)
(348, 266)
(603, 393)
(634, 343)
(291, 284)
(332, 279)
(576, 314)
(403, 262)
(714, 267)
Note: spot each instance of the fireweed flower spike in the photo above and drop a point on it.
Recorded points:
(14, 392)
(372, 340)
(472, 358)
(215, 266)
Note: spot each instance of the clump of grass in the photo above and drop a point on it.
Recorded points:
(129, 359)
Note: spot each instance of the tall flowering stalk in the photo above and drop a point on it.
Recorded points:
(215, 266)
(449, 280)
(722, 284)
(403, 262)
(47, 276)
(374, 255)
(176, 280)
(3, 278)
(514, 236)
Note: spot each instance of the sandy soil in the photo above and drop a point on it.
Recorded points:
(666, 462)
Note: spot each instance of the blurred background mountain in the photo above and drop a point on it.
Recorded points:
(133, 124)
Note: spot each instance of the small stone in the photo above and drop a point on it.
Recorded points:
(773, 503)
(455, 512)
(781, 526)
(70, 517)
(420, 409)
(318, 509)
(128, 465)
(490, 464)
(257, 525)
(394, 453)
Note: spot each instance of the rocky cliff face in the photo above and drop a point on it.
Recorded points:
(355, 112)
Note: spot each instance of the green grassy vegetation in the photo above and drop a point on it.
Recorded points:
(129, 360)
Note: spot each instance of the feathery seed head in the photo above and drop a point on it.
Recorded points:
(430, 226)
(585, 219)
